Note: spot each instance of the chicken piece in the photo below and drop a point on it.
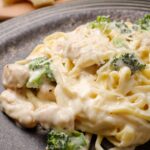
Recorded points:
(46, 92)
(54, 115)
(15, 76)
(17, 107)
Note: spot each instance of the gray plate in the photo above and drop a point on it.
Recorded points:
(20, 35)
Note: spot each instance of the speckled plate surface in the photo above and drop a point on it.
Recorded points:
(20, 35)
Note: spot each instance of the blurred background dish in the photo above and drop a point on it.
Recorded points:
(13, 8)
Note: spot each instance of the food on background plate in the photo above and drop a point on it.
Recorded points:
(11, 1)
(94, 80)
(14, 8)
(36, 3)
(39, 3)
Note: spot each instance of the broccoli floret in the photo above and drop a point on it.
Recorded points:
(40, 68)
(104, 23)
(122, 27)
(57, 140)
(101, 19)
(127, 59)
(76, 141)
(38, 63)
(65, 140)
(101, 23)
(144, 22)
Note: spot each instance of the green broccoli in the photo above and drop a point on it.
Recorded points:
(40, 68)
(76, 141)
(122, 27)
(144, 22)
(127, 59)
(57, 140)
(65, 140)
(35, 79)
(100, 19)
(38, 63)
(102, 23)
